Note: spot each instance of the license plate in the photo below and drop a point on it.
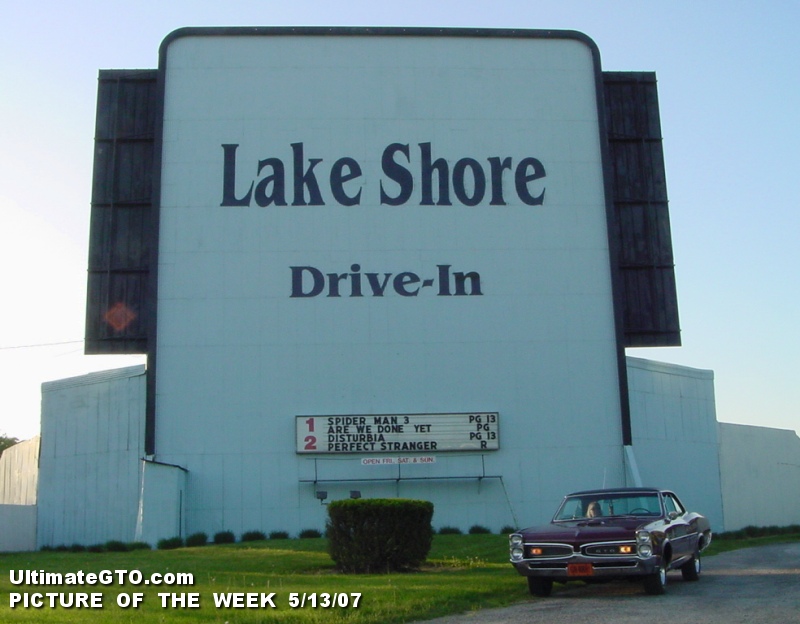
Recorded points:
(580, 569)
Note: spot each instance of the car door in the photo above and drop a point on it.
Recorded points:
(680, 532)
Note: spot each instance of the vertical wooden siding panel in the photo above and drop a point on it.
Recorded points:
(117, 308)
(645, 260)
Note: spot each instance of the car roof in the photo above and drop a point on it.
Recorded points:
(624, 490)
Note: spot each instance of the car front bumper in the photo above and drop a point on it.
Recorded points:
(581, 567)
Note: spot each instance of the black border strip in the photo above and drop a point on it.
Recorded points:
(340, 31)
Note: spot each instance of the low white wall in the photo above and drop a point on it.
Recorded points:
(674, 427)
(760, 476)
(162, 503)
(18, 532)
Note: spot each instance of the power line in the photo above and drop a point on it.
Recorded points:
(45, 344)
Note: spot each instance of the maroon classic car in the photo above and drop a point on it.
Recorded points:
(607, 535)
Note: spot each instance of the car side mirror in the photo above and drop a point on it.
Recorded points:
(672, 515)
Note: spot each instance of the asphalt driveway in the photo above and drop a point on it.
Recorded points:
(748, 586)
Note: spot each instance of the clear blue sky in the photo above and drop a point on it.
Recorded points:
(729, 87)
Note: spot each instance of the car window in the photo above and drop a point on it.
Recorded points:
(671, 504)
(617, 504)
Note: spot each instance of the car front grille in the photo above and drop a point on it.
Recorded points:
(610, 549)
(538, 551)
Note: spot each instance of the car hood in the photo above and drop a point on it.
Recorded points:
(583, 531)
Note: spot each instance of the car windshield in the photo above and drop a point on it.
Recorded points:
(604, 504)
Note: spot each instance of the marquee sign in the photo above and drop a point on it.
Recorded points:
(393, 433)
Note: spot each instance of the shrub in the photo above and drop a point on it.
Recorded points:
(253, 536)
(139, 546)
(170, 543)
(224, 537)
(116, 546)
(477, 529)
(197, 539)
(278, 535)
(754, 531)
(379, 534)
(508, 529)
(309, 533)
(96, 548)
(77, 548)
(448, 530)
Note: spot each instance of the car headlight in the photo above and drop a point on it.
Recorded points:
(644, 544)
(516, 554)
(515, 541)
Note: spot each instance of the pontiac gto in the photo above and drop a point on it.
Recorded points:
(612, 534)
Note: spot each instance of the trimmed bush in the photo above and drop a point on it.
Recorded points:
(139, 546)
(197, 539)
(170, 543)
(253, 536)
(477, 529)
(116, 546)
(278, 535)
(224, 537)
(448, 530)
(309, 534)
(379, 534)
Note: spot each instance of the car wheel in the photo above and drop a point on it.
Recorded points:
(691, 569)
(539, 586)
(655, 584)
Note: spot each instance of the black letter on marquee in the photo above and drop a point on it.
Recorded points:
(305, 179)
(278, 196)
(522, 177)
(477, 177)
(229, 179)
(297, 281)
(338, 180)
(440, 165)
(398, 173)
(497, 179)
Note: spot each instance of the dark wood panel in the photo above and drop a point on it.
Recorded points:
(641, 211)
(118, 310)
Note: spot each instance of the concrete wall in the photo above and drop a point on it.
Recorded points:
(92, 443)
(760, 476)
(674, 426)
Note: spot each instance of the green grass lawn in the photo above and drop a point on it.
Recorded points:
(463, 573)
